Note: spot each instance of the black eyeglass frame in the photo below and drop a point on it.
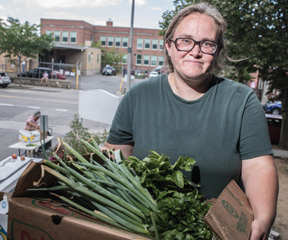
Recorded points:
(195, 43)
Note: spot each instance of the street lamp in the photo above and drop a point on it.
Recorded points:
(129, 59)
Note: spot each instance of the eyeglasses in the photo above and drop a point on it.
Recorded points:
(187, 44)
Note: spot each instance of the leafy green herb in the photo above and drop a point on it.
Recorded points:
(181, 207)
(31, 145)
(157, 174)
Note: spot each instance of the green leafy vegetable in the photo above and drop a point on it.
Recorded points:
(181, 207)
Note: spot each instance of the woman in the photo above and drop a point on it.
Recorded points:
(192, 112)
(32, 122)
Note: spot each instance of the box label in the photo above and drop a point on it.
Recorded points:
(52, 206)
(3, 234)
(22, 231)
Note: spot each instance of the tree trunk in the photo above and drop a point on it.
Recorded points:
(283, 144)
(19, 70)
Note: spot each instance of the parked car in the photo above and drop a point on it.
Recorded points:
(38, 73)
(153, 74)
(273, 107)
(4, 79)
(108, 70)
(132, 72)
(59, 75)
(141, 74)
(274, 126)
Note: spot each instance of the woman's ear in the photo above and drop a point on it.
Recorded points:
(168, 46)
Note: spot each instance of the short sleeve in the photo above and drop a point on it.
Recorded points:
(121, 131)
(254, 135)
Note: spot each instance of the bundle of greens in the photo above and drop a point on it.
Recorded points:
(181, 207)
(149, 197)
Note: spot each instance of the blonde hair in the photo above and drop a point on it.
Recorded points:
(202, 8)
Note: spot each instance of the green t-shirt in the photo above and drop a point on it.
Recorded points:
(219, 130)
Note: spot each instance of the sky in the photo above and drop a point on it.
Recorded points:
(147, 13)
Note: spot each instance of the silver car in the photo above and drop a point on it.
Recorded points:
(4, 79)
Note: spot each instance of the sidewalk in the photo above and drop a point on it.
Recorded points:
(280, 153)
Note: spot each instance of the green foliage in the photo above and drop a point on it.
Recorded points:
(110, 57)
(181, 207)
(22, 40)
(79, 132)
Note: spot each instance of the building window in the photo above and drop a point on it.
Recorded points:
(49, 33)
(73, 37)
(139, 43)
(153, 60)
(124, 59)
(161, 61)
(110, 41)
(92, 38)
(103, 41)
(161, 44)
(155, 44)
(65, 36)
(146, 60)
(57, 36)
(125, 42)
(139, 59)
(147, 43)
(117, 41)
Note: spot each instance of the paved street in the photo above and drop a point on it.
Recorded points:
(18, 103)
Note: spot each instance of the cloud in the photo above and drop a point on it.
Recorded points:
(1, 7)
(50, 4)
(157, 9)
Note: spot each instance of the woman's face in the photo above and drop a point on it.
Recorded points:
(193, 65)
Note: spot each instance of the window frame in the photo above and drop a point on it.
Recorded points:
(101, 41)
(64, 36)
(137, 59)
(139, 43)
(148, 42)
(71, 37)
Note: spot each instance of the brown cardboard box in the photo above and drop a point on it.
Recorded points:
(34, 216)
(42, 134)
(230, 216)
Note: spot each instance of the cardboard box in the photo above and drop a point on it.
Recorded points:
(231, 215)
(33, 215)
(29, 136)
(4, 207)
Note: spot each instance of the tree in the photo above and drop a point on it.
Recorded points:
(110, 57)
(22, 40)
(257, 31)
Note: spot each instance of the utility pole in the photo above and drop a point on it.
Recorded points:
(129, 57)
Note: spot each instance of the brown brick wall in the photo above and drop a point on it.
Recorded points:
(85, 31)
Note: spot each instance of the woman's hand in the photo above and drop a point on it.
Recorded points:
(260, 180)
(259, 231)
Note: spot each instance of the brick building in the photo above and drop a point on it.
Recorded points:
(147, 49)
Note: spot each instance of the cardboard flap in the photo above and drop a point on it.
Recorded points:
(231, 215)
(32, 175)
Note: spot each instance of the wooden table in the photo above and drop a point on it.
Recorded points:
(23, 145)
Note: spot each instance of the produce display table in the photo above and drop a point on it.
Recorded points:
(11, 170)
(23, 145)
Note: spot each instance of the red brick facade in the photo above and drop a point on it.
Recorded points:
(147, 52)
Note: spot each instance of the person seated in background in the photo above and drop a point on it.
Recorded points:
(32, 122)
